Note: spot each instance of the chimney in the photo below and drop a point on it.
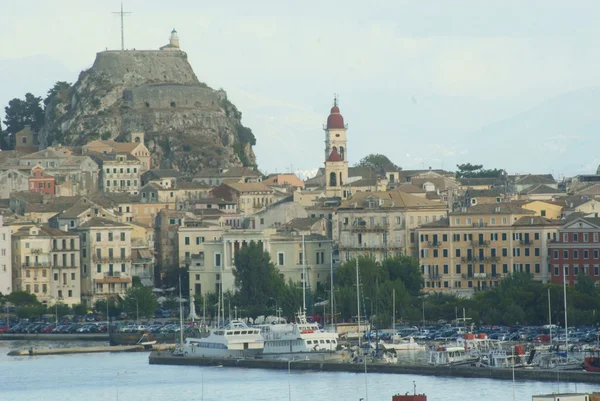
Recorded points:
(66, 227)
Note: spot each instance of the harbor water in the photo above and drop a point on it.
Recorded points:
(128, 376)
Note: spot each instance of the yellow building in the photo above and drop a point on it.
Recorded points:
(548, 209)
(105, 259)
(473, 249)
(291, 254)
(46, 264)
(382, 224)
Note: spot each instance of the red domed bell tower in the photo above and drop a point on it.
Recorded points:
(336, 153)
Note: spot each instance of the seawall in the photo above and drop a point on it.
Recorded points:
(165, 358)
(87, 350)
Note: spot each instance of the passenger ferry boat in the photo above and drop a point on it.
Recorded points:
(299, 340)
(236, 340)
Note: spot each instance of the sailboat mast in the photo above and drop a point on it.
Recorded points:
(358, 301)
(180, 315)
(303, 275)
(393, 308)
(549, 315)
(565, 302)
(331, 298)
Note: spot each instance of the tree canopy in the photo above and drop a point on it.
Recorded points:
(377, 161)
(23, 112)
(469, 170)
(146, 302)
(256, 277)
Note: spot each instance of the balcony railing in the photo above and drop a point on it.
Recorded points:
(480, 224)
(434, 244)
(112, 274)
(37, 264)
(367, 227)
(476, 244)
(112, 260)
(526, 242)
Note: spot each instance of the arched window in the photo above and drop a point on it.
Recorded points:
(332, 180)
(24, 140)
(342, 152)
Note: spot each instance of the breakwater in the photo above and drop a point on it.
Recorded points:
(166, 358)
(86, 350)
(55, 337)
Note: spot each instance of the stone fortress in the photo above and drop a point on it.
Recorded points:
(156, 92)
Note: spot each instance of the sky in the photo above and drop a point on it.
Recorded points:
(422, 82)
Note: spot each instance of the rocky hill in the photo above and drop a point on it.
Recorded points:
(187, 124)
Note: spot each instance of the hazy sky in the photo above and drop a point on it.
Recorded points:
(415, 78)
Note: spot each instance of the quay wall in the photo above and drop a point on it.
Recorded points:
(165, 358)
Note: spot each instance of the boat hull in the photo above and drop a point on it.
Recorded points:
(307, 356)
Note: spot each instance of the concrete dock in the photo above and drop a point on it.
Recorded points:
(86, 350)
(581, 376)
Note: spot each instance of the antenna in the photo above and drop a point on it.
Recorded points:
(335, 99)
(122, 14)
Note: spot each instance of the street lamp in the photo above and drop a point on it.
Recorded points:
(137, 311)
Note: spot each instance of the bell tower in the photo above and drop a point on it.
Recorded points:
(336, 153)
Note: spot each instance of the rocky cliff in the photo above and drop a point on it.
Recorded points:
(187, 124)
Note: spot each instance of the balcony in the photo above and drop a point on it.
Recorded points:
(526, 242)
(112, 260)
(470, 259)
(362, 226)
(37, 251)
(475, 276)
(434, 244)
(112, 274)
(388, 246)
(491, 259)
(480, 244)
(36, 265)
(480, 224)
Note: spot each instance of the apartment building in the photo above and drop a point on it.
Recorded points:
(6, 284)
(576, 251)
(192, 235)
(382, 224)
(119, 172)
(472, 250)
(249, 197)
(105, 259)
(46, 263)
(291, 253)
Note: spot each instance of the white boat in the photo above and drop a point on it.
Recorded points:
(449, 356)
(401, 344)
(236, 340)
(299, 340)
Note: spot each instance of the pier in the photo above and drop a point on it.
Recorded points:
(87, 350)
(581, 376)
(55, 337)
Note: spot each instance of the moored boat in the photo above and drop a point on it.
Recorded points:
(236, 340)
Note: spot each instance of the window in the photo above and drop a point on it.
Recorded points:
(566, 269)
(504, 252)
(445, 253)
(444, 237)
(565, 237)
(98, 268)
(55, 276)
(493, 220)
(536, 236)
(72, 276)
(457, 252)
(505, 268)
(123, 268)
(445, 269)
(280, 258)
(98, 236)
(575, 237)
(122, 236)
(556, 270)
(458, 269)
(503, 236)
(586, 254)
(596, 270)
(537, 268)
(596, 253)
(70, 293)
(566, 254)
(217, 259)
(110, 236)
(595, 237)
(526, 251)
(575, 254)
(537, 251)
(187, 240)
(555, 252)
(585, 237)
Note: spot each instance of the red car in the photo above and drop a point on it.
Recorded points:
(542, 338)
(48, 329)
(4, 329)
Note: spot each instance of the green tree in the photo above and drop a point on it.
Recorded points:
(23, 112)
(377, 161)
(256, 277)
(79, 309)
(59, 91)
(139, 301)
(22, 298)
(114, 309)
(469, 170)
(407, 270)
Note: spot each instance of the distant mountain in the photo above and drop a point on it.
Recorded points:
(560, 135)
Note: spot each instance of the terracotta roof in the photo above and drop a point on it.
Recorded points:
(443, 222)
(161, 173)
(390, 199)
(334, 156)
(536, 221)
(248, 186)
(44, 231)
(539, 189)
(410, 189)
(494, 208)
(100, 222)
(302, 223)
(531, 179)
